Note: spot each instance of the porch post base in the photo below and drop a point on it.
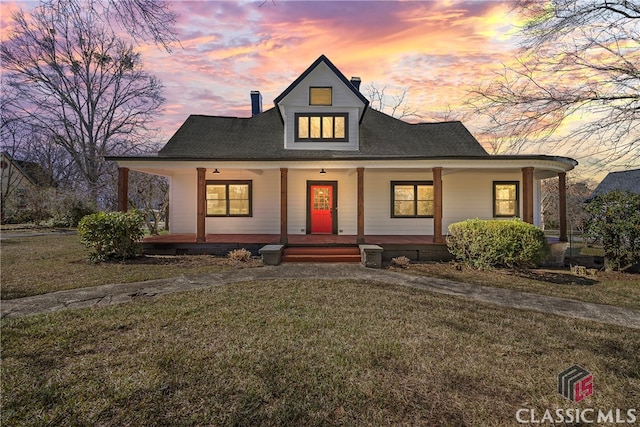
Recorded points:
(371, 255)
(271, 254)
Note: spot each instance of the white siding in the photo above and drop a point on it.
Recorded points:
(182, 203)
(344, 101)
(470, 195)
(266, 204)
(537, 203)
(377, 204)
(297, 199)
(465, 195)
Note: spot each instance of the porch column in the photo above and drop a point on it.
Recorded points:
(123, 189)
(437, 205)
(562, 194)
(360, 239)
(527, 195)
(201, 205)
(283, 206)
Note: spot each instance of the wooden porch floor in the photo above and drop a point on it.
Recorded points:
(294, 239)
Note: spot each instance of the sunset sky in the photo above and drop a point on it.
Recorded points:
(436, 50)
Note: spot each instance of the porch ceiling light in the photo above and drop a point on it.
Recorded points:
(216, 171)
(323, 172)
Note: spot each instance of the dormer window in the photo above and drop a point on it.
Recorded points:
(321, 127)
(321, 96)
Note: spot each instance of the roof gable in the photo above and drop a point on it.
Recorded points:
(343, 79)
(31, 171)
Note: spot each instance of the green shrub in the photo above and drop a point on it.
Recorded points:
(494, 243)
(615, 220)
(112, 235)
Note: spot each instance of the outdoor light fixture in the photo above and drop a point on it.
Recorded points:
(323, 172)
(216, 171)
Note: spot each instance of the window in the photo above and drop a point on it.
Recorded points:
(319, 127)
(229, 198)
(412, 199)
(505, 198)
(320, 96)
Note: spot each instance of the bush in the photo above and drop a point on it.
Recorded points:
(113, 235)
(241, 255)
(494, 243)
(615, 220)
(401, 262)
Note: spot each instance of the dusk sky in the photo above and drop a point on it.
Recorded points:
(436, 50)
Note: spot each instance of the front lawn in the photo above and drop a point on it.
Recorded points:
(42, 264)
(306, 352)
(619, 289)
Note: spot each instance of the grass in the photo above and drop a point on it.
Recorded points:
(622, 290)
(305, 352)
(42, 264)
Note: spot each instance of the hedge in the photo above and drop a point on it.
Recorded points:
(497, 243)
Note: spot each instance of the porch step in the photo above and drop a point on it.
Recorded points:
(321, 254)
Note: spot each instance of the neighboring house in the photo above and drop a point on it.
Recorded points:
(322, 162)
(19, 179)
(620, 181)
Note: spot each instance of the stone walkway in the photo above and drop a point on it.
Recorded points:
(111, 294)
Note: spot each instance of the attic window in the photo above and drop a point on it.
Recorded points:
(321, 127)
(320, 96)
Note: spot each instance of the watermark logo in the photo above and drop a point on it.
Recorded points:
(575, 383)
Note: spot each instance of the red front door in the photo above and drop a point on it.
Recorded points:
(321, 209)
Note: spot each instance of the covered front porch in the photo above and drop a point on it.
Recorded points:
(421, 248)
(278, 200)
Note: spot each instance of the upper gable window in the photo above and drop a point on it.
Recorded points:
(320, 96)
(321, 127)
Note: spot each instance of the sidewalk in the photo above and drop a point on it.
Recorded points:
(118, 293)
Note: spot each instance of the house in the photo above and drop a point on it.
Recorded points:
(19, 179)
(620, 181)
(322, 167)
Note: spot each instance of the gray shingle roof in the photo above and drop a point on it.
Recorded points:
(261, 137)
(623, 181)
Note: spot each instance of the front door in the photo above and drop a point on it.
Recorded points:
(322, 208)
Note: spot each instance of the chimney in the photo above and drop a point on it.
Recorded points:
(256, 103)
(355, 81)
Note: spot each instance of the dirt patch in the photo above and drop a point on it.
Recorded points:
(552, 276)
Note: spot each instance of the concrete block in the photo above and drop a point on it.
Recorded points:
(371, 255)
(271, 254)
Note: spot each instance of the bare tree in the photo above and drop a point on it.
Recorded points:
(395, 105)
(150, 195)
(79, 86)
(142, 19)
(578, 192)
(578, 71)
(10, 177)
